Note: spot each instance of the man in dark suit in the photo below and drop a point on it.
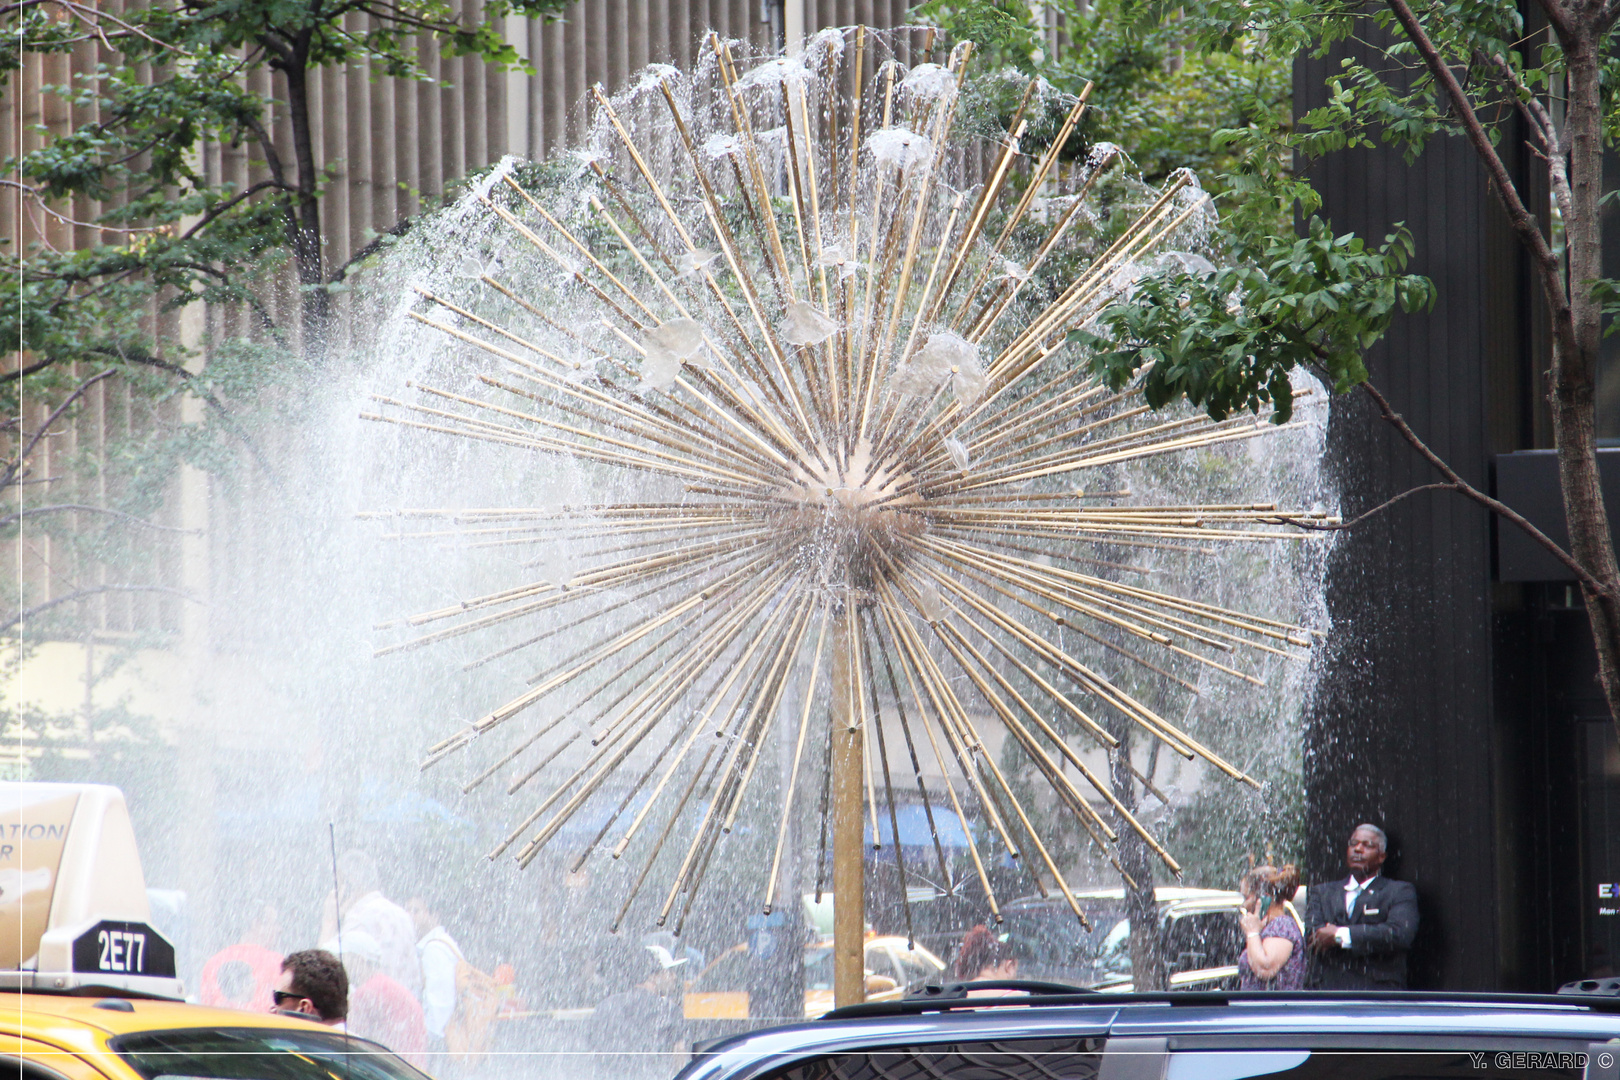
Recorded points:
(1359, 928)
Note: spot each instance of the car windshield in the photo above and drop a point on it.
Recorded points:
(257, 1054)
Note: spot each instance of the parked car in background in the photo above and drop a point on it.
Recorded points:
(1199, 939)
(720, 990)
(892, 971)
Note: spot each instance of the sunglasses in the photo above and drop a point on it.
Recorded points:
(281, 997)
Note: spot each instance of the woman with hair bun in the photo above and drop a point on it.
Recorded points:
(1273, 955)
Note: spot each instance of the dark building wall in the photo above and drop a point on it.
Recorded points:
(1402, 728)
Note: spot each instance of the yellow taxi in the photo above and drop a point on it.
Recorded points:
(88, 987)
(60, 1037)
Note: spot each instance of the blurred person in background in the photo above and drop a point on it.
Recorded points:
(1273, 956)
(313, 984)
(364, 908)
(441, 958)
(244, 975)
(640, 1024)
(983, 956)
(380, 1009)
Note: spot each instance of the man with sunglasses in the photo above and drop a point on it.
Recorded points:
(313, 984)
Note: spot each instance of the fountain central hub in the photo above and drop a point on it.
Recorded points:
(844, 512)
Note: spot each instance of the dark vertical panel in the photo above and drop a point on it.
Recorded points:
(680, 32)
(1608, 418)
(698, 23)
(429, 113)
(535, 86)
(616, 41)
(641, 50)
(596, 44)
(554, 88)
(1400, 729)
(574, 58)
(407, 146)
(453, 116)
(659, 46)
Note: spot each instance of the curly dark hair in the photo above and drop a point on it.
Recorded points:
(319, 976)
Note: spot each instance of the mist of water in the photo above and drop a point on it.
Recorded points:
(338, 738)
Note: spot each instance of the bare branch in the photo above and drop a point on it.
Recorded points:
(1463, 487)
(35, 511)
(1337, 526)
(34, 193)
(91, 17)
(81, 594)
(272, 160)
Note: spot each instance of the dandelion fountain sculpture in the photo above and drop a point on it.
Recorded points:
(798, 330)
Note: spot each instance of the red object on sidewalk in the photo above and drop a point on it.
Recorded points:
(384, 1011)
(263, 971)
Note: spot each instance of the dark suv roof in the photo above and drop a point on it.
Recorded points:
(1335, 1022)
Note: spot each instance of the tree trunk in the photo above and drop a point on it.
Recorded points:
(1574, 370)
(1582, 28)
(1147, 960)
(305, 222)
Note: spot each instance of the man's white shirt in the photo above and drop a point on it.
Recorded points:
(1352, 892)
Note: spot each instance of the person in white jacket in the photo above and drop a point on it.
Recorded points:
(439, 954)
(364, 908)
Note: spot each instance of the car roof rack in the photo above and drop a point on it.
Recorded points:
(955, 997)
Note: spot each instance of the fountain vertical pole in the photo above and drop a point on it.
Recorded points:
(849, 880)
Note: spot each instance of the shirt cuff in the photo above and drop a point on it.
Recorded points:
(1342, 936)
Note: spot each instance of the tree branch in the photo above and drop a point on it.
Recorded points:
(1522, 221)
(272, 160)
(1318, 526)
(215, 211)
(34, 194)
(1463, 487)
(80, 594)
(1540, 121)
(12, 467)
(248, 297)
(91, 17)
(34, 511)
(208, 397)
(23, 373)
(400, 228)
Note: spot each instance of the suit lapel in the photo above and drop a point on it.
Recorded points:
(1369, 896)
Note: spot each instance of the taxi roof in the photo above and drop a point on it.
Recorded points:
(29, 1012)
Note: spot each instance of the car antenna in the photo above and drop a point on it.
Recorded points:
(337, 915)
(337, 901)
